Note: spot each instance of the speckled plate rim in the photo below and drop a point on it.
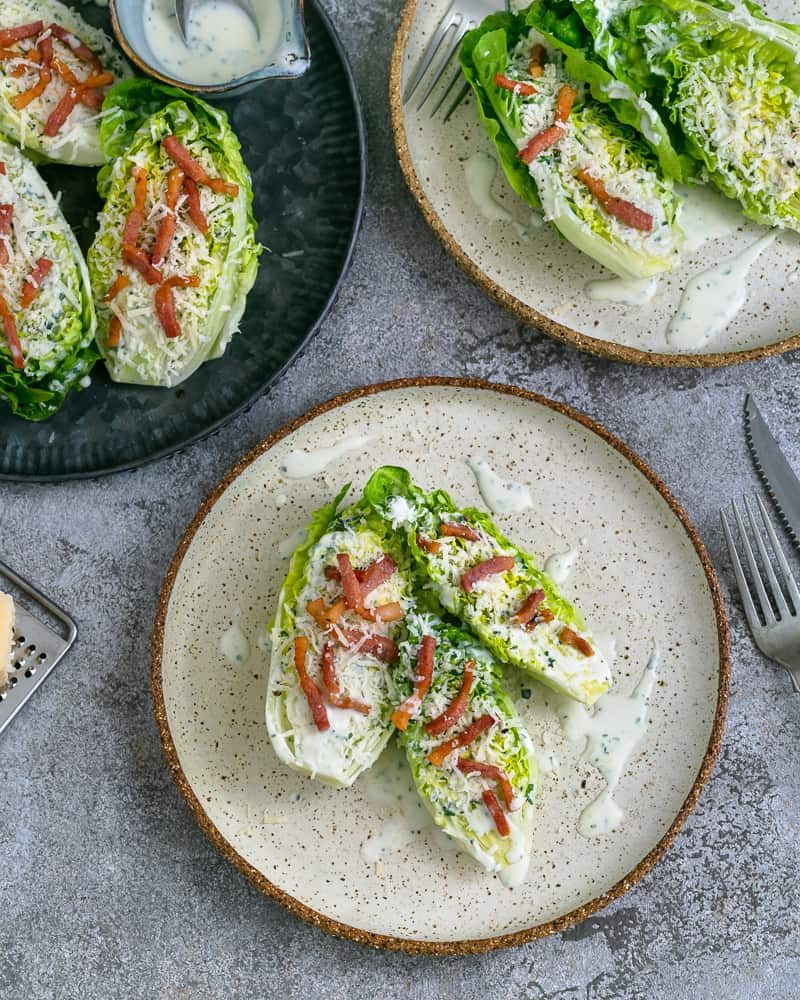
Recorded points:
(413, 946)
(180, 446)
(495, 291)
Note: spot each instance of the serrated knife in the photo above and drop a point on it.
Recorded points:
(778, 476)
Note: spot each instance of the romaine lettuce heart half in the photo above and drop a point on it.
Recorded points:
(514, 608)
(354, 738)
(593, 142)
(44, 295)
(727, 78)
(453, 793)
(138, 344)
(53, 59)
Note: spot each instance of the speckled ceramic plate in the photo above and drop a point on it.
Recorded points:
(642, 576)
(532, 271)
(308, 220)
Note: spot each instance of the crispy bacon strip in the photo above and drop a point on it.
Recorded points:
(457, 706)
(81, 50)
(564, 101)
(571, 638)
(45, 48)
(120, 283)
(536, 61)
(515, 86)
(139, 260)
(540, 142)
(625, 211)
(325, 616)
(181, 155)
(493, 773)
(331, 682)
(376, 573)
(542, 616)
(8, 36)
(114, 332)
(499, 817)
(449, 529)
(379, 646)
(438, 755)
(10, 328)
(529, 607)
(88, 90)
(489, 567)
(166, 230)
(391, 612)
(310, 689)
(2, 168)
(32, 284)
(429, 545)
(165, 302)
(193, 205)
(352, 590)
(62, 111)
(406, 711)
(6, 214)
(133, 224)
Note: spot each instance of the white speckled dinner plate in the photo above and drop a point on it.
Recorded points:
(541, 277)
(642, 577)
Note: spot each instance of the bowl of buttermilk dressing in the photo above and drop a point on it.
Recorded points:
(224, 53)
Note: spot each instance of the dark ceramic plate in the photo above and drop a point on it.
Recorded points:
(304, 143)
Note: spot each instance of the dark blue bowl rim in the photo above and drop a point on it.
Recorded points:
(216, 425)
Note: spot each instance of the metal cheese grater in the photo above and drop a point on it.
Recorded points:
(38, 644)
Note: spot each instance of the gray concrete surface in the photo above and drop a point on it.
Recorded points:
(109, 889)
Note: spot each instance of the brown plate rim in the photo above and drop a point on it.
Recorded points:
(391, 942)
(496, 292)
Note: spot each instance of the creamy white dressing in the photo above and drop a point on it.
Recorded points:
(712, 299)
(707, 216)
(303, 464)
(480, 171)
(234, 644)
(610, 734)
(626, 291)
(290, 543)
(559, 565)
(501, 496)
(222, 42)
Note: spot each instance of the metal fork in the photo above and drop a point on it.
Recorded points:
(462, 16)
(774, 623)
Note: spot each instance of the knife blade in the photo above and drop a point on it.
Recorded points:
(778, 476)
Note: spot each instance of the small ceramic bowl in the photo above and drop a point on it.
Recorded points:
(292, 58)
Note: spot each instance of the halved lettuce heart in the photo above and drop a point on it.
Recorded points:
(138, 115)
(454, 798)
(78, 141)
(726, 79)
(594, 140)
(488, 608)
(56, 329)
(354, 741)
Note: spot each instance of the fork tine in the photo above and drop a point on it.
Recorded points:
(755, 573)
(777, 591)
(443, 98)
(449, 19)
(780, 556)
(459, 33)
(456, 101)
(744, 591)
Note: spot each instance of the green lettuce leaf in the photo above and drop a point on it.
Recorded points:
(726, 80)
(78, 140)
(56, 330)
(487, 611)
(138, 115)
(354, 741)
(595, 140)
(454, 799)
